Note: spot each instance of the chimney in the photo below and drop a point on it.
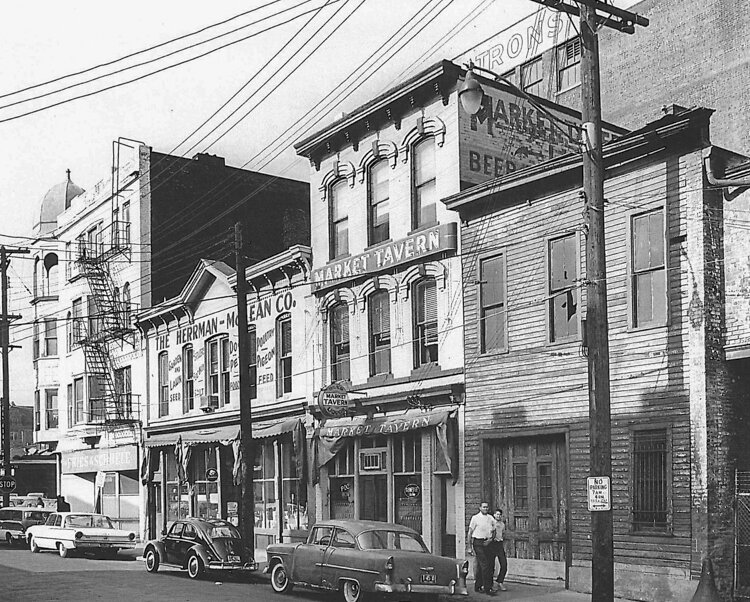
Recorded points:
(672, 109)
(209, 160)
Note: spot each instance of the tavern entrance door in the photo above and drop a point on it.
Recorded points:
(530, 485)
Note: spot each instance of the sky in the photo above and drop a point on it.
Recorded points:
(44, 40)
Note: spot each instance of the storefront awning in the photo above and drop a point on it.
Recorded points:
(193, 437)
(262, 430)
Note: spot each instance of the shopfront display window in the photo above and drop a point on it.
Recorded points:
(120, 499)
(264, 480)
(341, 483)
(178, 494)
(206, 492)
(295, 505)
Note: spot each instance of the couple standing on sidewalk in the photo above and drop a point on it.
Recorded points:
(485, 540)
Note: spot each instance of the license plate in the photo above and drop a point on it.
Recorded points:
(233, 558)
(428, 579)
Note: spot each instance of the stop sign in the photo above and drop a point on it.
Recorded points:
(7, 484)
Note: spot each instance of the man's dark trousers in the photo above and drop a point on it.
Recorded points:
(486, 561)
(498, 549)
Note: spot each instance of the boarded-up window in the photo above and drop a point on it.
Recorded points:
(563, 302)
(649, 274)
(380, 333)
(339, 317)
(425, 322)
(492, 310)
(650, 480)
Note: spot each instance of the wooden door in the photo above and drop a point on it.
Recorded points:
(531, 487)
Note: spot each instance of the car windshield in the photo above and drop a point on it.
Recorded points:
(390, 540)
(224, 531)
(98, 521)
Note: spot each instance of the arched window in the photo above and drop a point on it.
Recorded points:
(339, 220)
(424, 193)
(50, 275)
(339, 323)
(379, 319)
(378, 221)
(425, 322)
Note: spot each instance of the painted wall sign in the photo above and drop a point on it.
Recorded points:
(334, 400)
(95, 460)
(422, 244)
(509, 134)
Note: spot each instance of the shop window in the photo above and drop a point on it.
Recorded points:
(569, 64)
(407, 480)
(253, 361)
(492, 304)
(188, 384)
(339, 321)
(217, 369)
(50, 337)
(163, 384)
(178, 494)
(264, 482)
(78, 401)
(339, 220)
(531, 77)
(121, 499)
(341, 483)
(379, 317)
(97, 411)
(284, 355)
(424, 190)
(123, 390)
(206, 492)
(425, 322)
(651, 481)
(563, 300)
(292, 495)
(648, 269)
(378, 193)
(50, 409)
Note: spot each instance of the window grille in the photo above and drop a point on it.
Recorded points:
(650, 484)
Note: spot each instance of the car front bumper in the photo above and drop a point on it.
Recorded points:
(216, 565)
(452, 589)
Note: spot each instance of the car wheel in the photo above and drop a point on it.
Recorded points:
(352, 592)
(280, 581)
(195, 567)
(63, 551)
(152, 561)
(32, 545)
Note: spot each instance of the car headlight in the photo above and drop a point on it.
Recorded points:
(131, 536)
(79, 535)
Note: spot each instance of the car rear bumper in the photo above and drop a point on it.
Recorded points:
(104, 545)
(453, 589)
(231, 566)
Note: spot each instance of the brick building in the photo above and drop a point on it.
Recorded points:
(679, 401)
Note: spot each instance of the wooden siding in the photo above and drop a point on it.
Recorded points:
(540, 387)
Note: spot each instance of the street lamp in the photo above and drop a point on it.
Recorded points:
(471, 93)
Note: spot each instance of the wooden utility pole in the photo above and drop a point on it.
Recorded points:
(247, 451)
(594, 14)
(5, 344)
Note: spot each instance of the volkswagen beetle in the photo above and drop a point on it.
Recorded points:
(198, 545)
(358, 558)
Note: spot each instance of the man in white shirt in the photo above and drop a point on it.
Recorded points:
(478, 539)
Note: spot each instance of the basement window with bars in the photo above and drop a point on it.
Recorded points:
(651, 490)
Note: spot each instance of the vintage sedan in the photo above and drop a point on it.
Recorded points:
(199, 545)
(15, 520)
(357, 558)
(67, 532)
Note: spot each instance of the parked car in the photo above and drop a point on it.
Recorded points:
(360, 557)
(199, 545)
(79, 531)
(15, 520)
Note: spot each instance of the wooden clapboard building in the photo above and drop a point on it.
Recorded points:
(678, 417)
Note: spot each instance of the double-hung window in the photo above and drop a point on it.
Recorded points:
(339, 220)
(123, 390)
(563, 294)
(35, 340)
(284, 355)
(217, 369)
(78, 401)
(163, 384)
(425, 322)
(380, 332)
(651, 480)
(50, 336)
(97, 410)
(424, 191)
(188, 383)
(339, 319)
(648, 269)
(77, 321)
(531, 77)
(50, 409)
(379, 221)
(492, 310)
(569, 64)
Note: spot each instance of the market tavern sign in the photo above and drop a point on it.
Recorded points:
(421, 244)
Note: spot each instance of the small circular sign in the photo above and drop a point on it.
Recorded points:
(334, 400)
(212, 474)
(412, 490)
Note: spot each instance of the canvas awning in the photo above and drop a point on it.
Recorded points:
(225, 433)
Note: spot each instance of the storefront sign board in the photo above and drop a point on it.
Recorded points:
(105, 460)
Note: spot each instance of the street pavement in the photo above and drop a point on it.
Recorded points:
(45, 576)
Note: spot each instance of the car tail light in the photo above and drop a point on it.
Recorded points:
(464, 568)
(79, 535)
(389, 564)
(131, 537)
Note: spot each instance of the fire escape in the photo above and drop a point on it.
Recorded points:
(107, 327)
